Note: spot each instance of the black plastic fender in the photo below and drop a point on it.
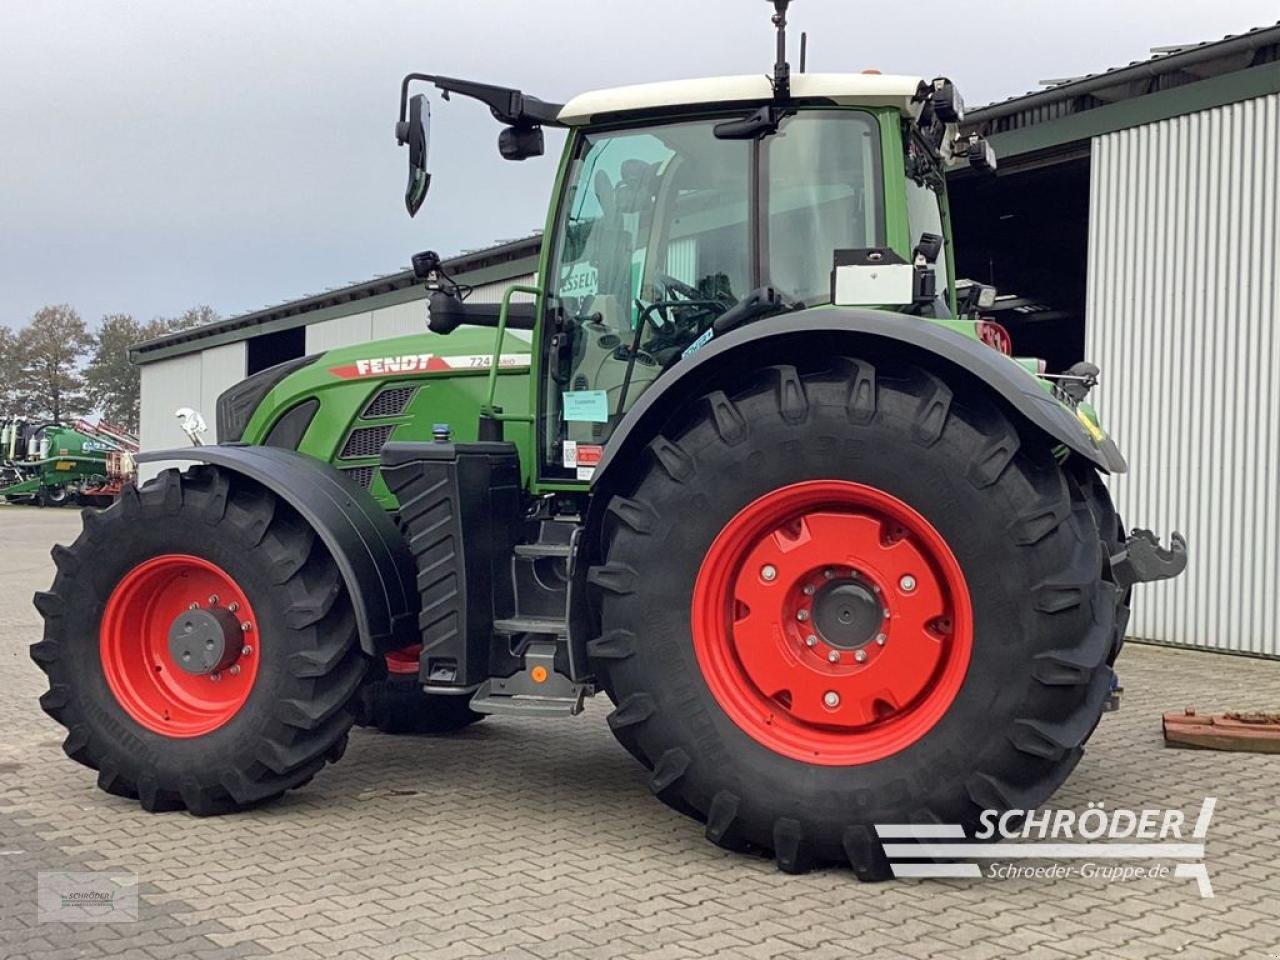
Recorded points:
(369, 551)
(824, 329)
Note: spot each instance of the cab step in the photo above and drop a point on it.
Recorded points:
(537, 690)
(538, 550)
(548, 626)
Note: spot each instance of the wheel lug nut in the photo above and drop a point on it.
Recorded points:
(880, 639)
(213, 600)
(833, 657)
(246, 626)
(233, 607)
(907, 583)
(194, 606)
(831, 699)
(811, 641)
(246, 650)
(861, 656)
(887, 614)
(768, 573)
(802, 615)
(828, 573)
(215, 677)
(233, 669)
(808, 590)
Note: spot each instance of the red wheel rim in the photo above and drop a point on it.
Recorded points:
(832, 622)
(134, 642)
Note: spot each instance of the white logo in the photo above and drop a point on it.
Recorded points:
(1095, 844)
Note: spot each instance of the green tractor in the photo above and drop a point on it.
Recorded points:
(743, 461)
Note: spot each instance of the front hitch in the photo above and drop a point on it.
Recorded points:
(1142, 559)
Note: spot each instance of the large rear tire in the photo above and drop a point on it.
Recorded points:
(210, 555)
(1111, 532)
(743, 634)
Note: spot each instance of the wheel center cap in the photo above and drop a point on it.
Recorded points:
(204, 641)
(847, 615)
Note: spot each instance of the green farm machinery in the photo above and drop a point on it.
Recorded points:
(744, 460)
(53, 464)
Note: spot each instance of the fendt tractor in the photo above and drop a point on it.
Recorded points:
(743, 461)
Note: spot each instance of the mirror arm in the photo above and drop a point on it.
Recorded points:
(508, 105)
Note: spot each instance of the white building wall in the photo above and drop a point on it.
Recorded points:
(192, 380)
(339, 332)
(1182, 317)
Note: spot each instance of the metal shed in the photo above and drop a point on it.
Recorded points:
(1136, 216)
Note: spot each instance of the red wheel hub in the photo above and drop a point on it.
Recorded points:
(832, 622)
(179, 644)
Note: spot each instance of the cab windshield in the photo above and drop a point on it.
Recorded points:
(664, 228)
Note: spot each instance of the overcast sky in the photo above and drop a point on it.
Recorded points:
(154, 155)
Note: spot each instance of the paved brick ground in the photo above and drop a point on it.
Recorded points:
(538, 839)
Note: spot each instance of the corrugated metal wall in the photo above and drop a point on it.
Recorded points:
(1182, 314)
(194, 380)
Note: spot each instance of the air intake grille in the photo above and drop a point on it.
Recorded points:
(361, 475)
(390, 402)
(365, 442)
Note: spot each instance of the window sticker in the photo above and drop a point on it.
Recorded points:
(589, 406)
(570, 454)
(586, 473)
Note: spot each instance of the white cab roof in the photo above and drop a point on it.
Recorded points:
(849, 89)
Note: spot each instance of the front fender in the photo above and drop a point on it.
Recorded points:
(370, 553)
(789, 334)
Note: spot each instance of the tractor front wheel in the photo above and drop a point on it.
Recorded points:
(845, 596)
(200, 645)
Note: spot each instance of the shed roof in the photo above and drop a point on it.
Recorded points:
(500, 262)
(1171, 82)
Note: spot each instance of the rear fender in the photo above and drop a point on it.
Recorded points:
(370, 553)
(830, 331)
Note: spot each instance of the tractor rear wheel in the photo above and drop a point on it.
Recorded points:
(200, 645)
(847, 596)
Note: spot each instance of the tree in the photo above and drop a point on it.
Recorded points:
(191, 317)
(114, 383)
(52, 347)
(112, 380)
(12, 401)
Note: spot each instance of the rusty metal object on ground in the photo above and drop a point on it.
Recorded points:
(1253, 732)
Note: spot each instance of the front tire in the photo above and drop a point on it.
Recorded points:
(720, 689)
(210, 555)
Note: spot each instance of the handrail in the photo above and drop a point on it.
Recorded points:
(489, 409)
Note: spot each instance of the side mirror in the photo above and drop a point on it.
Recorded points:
(416, 132)
(520, 143)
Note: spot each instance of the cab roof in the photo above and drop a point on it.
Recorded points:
(846, 89)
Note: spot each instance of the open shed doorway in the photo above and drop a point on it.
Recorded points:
(1026, 232)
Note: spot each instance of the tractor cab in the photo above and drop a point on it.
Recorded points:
(685, 210)
(689, 209)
